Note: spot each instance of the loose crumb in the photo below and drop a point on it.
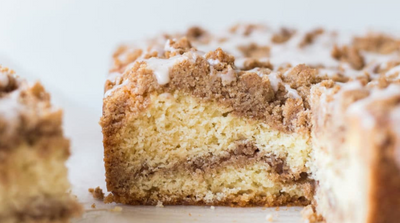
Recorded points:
(93, 205)
(212, 207)
(97, 193)
(310, 216)
(190, 215)
(159, 204)
(116, 209)
(277, 209)
(269, 217)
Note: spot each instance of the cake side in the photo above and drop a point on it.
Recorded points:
(353, 146)
(33, 150)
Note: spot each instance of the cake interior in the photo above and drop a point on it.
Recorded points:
(182, 150)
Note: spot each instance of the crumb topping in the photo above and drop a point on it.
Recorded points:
(256, 70)
(25, 109)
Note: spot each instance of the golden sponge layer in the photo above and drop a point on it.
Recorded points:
(184, 150)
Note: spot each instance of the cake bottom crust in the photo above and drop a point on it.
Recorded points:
(233, 201)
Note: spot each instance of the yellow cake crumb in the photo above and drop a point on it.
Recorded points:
(116, 209)
(160, 204)
(97, 193)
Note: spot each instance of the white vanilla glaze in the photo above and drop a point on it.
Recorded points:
(274, 80)
(360, 107)
(394, 71)
(168, 47)
(161, 67)
(213, 62)
(228, 76)
(292, 93)
(10, 106)
(110, 91)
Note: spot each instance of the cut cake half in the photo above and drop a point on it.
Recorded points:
(230, 119)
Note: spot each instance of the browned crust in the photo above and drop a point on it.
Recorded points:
(232, 200)
(385, 176)
(385, 187)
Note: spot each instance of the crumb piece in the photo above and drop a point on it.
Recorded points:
(212, 207)
(109, 198)
(310, 37)
(282, 36)
(97, 193)
(269, 218)
(277, 209)
(349, 54)
(255, 51)
(190, 215)
(377, 43)
(116, 209)
(253, 63)
(310, 216)
(159, 204)
(195, 33)
(93, 205)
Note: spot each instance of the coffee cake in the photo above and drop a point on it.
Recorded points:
(243, 118)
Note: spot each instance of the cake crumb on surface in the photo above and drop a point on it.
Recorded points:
(269, 217)
(97, 193)
(93, 205)
(310, 216)
(116, 209)
(159, 204)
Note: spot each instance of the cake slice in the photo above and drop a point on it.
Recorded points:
(185, 127)
(33, 177)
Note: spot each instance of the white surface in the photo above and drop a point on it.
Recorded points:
(67, 45)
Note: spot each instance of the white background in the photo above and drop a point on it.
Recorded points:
(67, 46)
(67, 43)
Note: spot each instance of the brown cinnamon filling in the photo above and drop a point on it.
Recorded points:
(245, 153)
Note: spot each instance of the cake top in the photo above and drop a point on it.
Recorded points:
(280, 64)
(25, 111)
